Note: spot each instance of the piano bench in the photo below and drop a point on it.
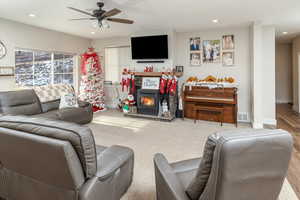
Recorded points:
(218, 110)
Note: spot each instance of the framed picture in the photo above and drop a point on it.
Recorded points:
(211, 51)
(228, 42)
(195, 44)
(195, 58)
(179, 69)
(7, 71)
(150, 83)
(228, 58)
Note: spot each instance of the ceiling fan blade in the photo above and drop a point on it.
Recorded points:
(82, 19)
(112, 12)
(81, 11)
(124, 21)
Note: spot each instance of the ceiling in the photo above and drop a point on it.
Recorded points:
(177, 15)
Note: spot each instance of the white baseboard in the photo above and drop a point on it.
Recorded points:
(296, 108)
(272, 122)
(282, 101)
(257, 125)
(268, 122)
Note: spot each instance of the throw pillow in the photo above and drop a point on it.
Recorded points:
(68, 100)
(198, 184)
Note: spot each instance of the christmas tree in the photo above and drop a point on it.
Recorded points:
(92, 80)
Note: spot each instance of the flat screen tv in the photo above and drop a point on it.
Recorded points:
(149, 47)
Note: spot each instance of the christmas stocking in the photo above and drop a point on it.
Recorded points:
(123, 81)
(163, 83)
(169, 83)
(132, 84)
(128, 80)
(173, 87)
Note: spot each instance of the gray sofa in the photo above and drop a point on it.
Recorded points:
(47, 159)
(236, 165)
(26, 102)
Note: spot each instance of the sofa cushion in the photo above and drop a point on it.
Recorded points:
(80, 137)
(81, 115)
(52, 92)
(68, 100)
(50, 105)
(198, 183)
(49, 115)
(21, 102)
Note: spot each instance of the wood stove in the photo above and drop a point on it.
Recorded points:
(148, 102)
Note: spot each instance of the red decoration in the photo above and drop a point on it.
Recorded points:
(163, 83)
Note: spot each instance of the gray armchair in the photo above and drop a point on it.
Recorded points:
(236, 165)
(44, 159)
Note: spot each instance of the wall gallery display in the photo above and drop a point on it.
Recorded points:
(195, 58)
(228, 58)
(211, 51)
(228, 42)
(195, 51)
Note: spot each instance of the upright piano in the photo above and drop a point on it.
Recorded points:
(217, 104)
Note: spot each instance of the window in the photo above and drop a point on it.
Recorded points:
(116, 59)
(35, 68)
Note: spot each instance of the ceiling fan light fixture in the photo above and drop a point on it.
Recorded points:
(102, 16)
(105, 24)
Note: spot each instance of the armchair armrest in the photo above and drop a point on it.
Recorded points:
(168, 187)
(111, 160)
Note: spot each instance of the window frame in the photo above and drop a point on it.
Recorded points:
(120, 65)
(52, 60)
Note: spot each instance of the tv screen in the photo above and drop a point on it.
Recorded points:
(150, 47)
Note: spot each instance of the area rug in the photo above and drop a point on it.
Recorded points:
(177, 140)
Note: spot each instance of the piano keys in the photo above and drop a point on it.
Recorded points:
(217, 104)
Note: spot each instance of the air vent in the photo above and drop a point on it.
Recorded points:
(243, 117)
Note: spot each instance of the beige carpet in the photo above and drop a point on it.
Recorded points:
(177, 140)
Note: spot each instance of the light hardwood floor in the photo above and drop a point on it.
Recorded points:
(287, 120)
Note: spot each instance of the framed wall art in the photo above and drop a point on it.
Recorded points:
(195, 44)
(195, 58)
(211, 51)
(228, 58)
(228, 42)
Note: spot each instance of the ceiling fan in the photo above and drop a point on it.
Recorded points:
(101, 15)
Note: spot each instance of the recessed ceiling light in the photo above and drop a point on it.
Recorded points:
(284, 33)
(215, 21)
(32, 15)
(93, 32)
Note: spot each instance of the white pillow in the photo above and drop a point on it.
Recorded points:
(68, 100)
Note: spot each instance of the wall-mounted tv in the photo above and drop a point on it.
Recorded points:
(149, 47)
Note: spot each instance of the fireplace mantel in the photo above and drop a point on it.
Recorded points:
(156, 74)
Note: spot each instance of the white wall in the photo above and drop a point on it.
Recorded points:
(18, 35)
(262, 39)
(268, 76)
(284, 67)
(296, 71)
(240, 71)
